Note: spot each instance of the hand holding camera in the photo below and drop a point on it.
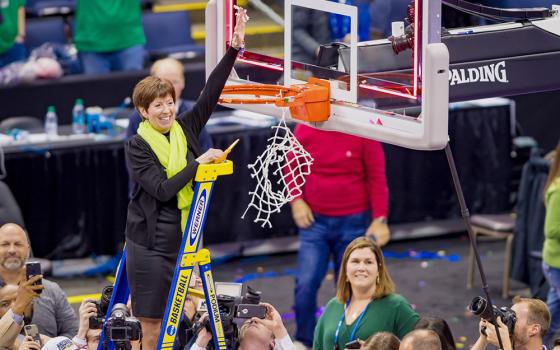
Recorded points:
(505, 320)
(87, 310)
(27, 291)
(204, 334)
(101, 306)
(272, 321)
(488, 331)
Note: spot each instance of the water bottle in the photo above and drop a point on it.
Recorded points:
(78, 117)
(51, 123)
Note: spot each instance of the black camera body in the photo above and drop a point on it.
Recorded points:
(231, 308)
(248, 305)
(479, 307)
(96, 322)
(120, 327)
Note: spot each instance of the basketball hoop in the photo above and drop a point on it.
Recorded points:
(308, 102)
(281, 169)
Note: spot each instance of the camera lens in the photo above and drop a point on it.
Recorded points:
(478, 304)
(479, 307)
(119, 311)
(402, 43)
(252, 296)
(105, 299)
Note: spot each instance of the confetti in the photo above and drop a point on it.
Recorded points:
(463, 339)
(260, 269)
(422, 284)
(459, 345)
(422, 255)
(424, 264)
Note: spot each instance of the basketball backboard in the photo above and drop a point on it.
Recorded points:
(404, 101)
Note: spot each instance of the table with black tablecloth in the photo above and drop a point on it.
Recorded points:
(56, 187)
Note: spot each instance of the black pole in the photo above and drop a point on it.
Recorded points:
(466, 217)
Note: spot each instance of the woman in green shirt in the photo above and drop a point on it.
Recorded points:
(365, 301)
(551, 247)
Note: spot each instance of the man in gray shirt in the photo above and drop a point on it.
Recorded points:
(52, 313)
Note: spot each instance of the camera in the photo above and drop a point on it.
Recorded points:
(405, 41)
(479, 307)
(96, 322)
(232, 308)
(121, 328)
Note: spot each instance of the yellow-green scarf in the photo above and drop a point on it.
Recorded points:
(172, 154)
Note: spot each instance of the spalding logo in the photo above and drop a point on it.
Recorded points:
(197, 217)
(490, 73)
(170, 330)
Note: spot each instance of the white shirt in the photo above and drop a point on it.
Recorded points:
(284, 343)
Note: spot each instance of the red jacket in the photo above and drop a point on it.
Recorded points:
(347, 175)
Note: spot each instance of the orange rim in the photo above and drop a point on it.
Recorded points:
(308, 102)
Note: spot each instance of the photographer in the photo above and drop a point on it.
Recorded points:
(256, 333)
(532, 322)
(92, 316)
(87, 338)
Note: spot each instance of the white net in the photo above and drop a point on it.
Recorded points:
(280, 173)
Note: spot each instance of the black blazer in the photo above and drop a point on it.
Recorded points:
(152, 188)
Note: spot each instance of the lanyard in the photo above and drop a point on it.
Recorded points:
(356, 326)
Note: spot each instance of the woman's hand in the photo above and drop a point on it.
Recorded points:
(238, 39)
(302, 214)
(209, 156)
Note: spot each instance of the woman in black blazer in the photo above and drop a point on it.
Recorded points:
(162, 159)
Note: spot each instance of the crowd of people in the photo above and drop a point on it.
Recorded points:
(366, 313)
(108, 35)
